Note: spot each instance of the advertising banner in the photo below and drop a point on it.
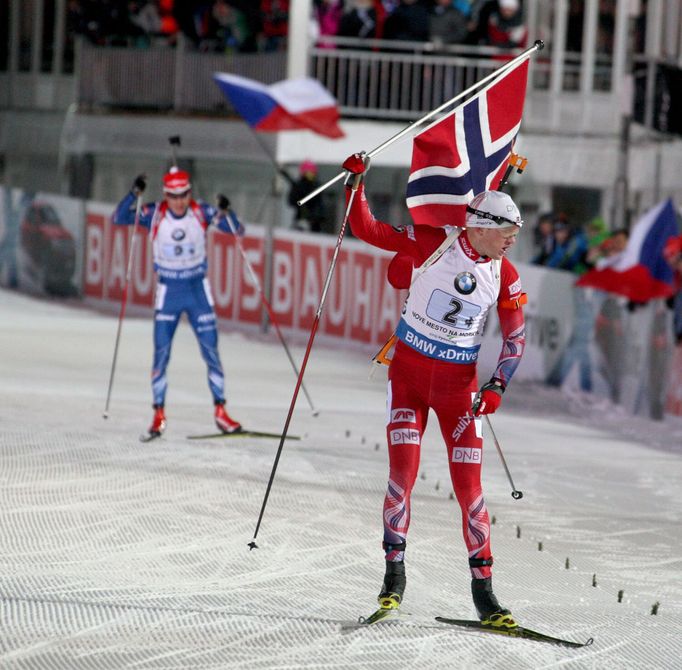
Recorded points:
(40, 243)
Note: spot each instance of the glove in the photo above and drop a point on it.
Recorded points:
(356, 163)
(222, 202)
(489, 398)
(140, 184)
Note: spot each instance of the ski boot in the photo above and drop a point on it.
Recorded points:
(490, 612)
(393, 587)
(158, 422)
(224, 422)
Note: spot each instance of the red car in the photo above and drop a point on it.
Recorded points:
(49, 249)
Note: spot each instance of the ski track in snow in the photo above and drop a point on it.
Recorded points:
(117, 554)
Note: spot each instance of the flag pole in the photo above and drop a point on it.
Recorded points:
(537, 46)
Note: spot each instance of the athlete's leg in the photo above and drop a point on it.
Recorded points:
(462, 435)
(166, 318)
(203, 321)
(406, 417)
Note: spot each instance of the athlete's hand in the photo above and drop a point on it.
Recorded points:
(489, 398)
(356, 163)
(140, 184)
(222, 202)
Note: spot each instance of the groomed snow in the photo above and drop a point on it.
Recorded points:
(116, 554)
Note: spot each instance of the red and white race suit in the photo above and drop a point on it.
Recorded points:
(434, 367)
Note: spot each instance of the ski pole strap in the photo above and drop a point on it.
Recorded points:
(480, 562)
(394, 547)
(513, 304)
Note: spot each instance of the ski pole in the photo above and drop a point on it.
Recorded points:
(516, 494)
(266, 304)
(537, 46)
(311, 338)
(174, 142)
(124, 300)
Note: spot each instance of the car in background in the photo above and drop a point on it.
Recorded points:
(49, 249)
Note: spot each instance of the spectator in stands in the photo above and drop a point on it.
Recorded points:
(544, 238)
(570, 247)
(506, 28)
(328, 15)
(597, 234)
(145, 17)
(312, 215)
(447, 23)
(361, 21)
(497, 23)
(275, 18)
(673, 254)
(227, 29)
(409, 22)
(612, 248)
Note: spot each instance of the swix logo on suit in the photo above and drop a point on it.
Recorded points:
(179, 244)
(437, 321)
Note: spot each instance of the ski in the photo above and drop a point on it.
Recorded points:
(148, 437)
(518, 631)
(242, 433)
(381, 614)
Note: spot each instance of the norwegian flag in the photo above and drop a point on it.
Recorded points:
(466, 152)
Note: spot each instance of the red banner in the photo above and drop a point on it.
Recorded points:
(360, 304)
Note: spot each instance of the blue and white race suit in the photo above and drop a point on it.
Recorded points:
(180, 263)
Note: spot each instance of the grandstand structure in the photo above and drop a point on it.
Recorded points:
(600, 128)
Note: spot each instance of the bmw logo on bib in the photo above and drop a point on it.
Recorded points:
(465, 283)
(178, 234)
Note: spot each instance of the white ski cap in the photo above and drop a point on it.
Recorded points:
(492, 209)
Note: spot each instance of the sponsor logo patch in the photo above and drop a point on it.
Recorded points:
(403, 414)
(404, 436)
(465, 283)
(462, 425)
(466, 455)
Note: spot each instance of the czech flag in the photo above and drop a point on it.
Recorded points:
(292, 104)
(641, 273)
(466, 152)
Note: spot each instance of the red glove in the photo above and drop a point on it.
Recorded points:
(489, 398)
(355, 164)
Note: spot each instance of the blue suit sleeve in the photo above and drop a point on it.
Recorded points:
(218, 218)
(124, 214)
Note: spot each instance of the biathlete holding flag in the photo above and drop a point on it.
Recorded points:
(434, 367)
(178, 227)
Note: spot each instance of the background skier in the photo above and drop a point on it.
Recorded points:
(177, 228)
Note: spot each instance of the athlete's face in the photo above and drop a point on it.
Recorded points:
(493, 242)
(178, 204)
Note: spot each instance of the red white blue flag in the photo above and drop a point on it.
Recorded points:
(641, 273)
(466, 152)
(292, 104)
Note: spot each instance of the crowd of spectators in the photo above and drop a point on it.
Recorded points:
(562, 245)
(262, 25)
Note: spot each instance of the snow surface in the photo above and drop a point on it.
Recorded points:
(117, 554)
